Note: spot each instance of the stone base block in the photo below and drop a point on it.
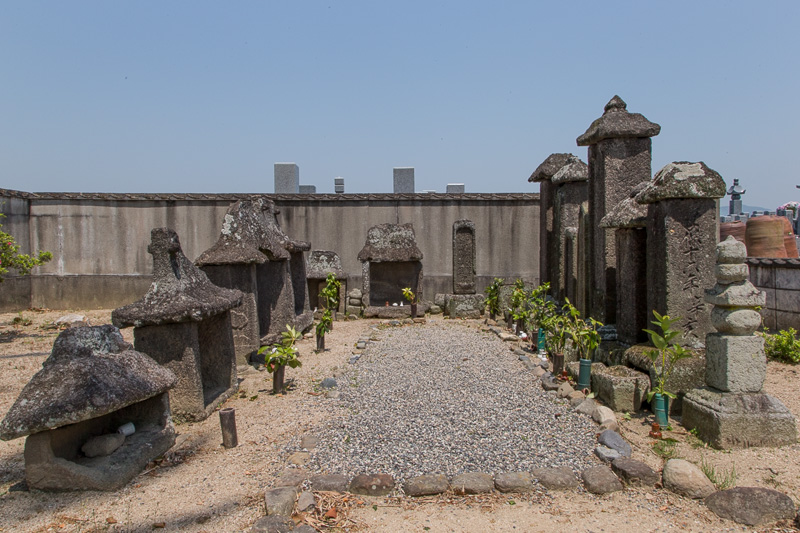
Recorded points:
(735, 364)
(738, 420)
(620, 387)
(465, 305)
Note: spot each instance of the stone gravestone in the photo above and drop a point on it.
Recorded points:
(547, 239)
(463, 257)
(629, 218)
(184, 323)
(619, 159)
(733, 411)
(287, 178)
(570, 189)
(681, 235)
(232, 263)
(320, 264)
(403, 179)
(92, 383)
(391, 261)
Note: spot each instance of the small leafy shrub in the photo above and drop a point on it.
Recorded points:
(783, 346)
(493, 296)
(283, 354)
(667, 353)
(10, 258)
(666, 448)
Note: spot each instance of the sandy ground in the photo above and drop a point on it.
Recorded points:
(200, 486)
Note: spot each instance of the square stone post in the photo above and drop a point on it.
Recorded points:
(547, 242)
(571, 191)
(681, 236)
(629, 218)
(619, 159)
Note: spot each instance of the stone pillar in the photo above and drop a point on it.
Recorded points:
(619, 159)
(571, 190)
(542, 175)
(287, 178)
(681, 235)
(403, 180)
(732, 411)
(463, 257)
(629, 218)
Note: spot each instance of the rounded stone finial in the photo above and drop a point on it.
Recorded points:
(731, 252)
(615, 104)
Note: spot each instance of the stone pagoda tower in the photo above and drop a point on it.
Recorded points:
(732, 410)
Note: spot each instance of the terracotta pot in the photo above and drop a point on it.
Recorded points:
(735, 228)
(764, 236)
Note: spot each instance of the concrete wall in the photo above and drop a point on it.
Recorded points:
(780, 279)
(99, 241)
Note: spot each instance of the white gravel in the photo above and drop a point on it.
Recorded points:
(444, 398)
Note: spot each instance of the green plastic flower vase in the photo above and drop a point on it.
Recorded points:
(660, 406)
(585, 374)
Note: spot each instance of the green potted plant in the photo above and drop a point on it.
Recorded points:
(664, 357)
(324, 325)
(280, 356)
(556, 331)
(585, 337)
(493, 297)
(409, 295)
(518, 300)
(541, 307)
(329, 296)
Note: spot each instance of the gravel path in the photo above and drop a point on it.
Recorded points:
(446, 398)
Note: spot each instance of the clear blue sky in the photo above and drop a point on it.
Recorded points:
(205, 96)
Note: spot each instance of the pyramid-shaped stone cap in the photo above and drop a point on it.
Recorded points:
(549, 167)
(321, 263)
(91, 372)
(573, 170)
(628, 213)
(242, 230)
(390, 243)
(180, 291)
(683, 179)
(617, 123)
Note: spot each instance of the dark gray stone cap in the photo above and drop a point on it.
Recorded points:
(91, 372)
(463, 223)
(390, 243)
(628, 213)
(180, 291)
(321, 263)
(617, 123)
(549, 167)
(250, 232)
(573, 170)
(683, 179)
(240, 237)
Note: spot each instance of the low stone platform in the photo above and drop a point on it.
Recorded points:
(738, 420)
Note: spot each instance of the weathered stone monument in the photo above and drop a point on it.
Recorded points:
(629, 218)
(733, 411)
(463, 257)
(184, 323)
(403, 178)
(390, 262)
(320, 264)
(282, 282)
(91, 386)
(287, 178)
(570, 188)
(681, 235)
(735, 191)
(619, 159)
(232, 263)
(542, 175)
